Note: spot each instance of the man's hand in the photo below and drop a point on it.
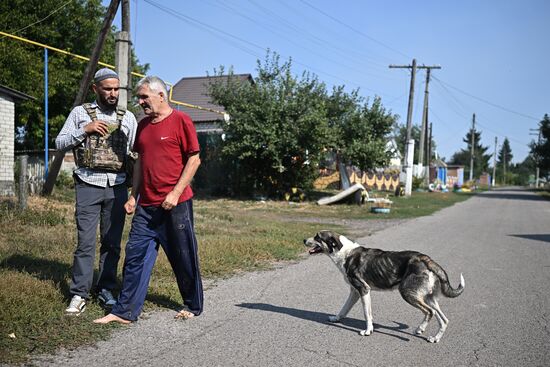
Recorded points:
(96, 126)
(171, 200)
(130, 205)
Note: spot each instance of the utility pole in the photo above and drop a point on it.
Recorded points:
(411, 99)
(537, 174)
(413, 68)
(84, 85)
(504, 154)
(472, 139)
(494, 165)
(123, 55)
(429, 153)
(424, 129)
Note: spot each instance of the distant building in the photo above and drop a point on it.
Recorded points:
(8, 98)
(211, 178)
(194, 91)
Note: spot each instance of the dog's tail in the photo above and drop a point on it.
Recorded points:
(446, 288)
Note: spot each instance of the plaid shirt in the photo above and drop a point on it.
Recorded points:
(72, 134)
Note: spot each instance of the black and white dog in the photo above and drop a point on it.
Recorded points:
(418, 278)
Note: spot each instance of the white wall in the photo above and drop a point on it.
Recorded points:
(7, 133)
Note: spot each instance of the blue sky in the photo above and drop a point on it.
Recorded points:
(494, 55)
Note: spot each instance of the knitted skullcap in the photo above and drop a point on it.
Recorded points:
(103, 74)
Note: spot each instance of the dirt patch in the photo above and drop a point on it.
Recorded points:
(356, 228)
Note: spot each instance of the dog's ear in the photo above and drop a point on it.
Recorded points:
(331, 239)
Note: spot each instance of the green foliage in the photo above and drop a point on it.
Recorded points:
(64, 180)
(505, 154)
(541, 148)
(360, 129)
(400, 133)
(277, 130)
(481, 160)
(73, 28)
(282, 125)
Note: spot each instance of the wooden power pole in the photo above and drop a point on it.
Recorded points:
(413, 68)
(493, 181)
(411, 99)
(472, 143)
(84, 85)
(424, 129)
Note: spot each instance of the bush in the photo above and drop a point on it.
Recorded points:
(64, 180)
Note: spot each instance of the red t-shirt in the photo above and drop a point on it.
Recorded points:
(164, 148)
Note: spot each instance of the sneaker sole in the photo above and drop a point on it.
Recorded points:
(75, 313)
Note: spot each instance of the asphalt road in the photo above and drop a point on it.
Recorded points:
(499, 240)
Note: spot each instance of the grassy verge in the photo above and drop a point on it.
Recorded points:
(36, 250)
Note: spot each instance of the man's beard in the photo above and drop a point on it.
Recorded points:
(108, 104)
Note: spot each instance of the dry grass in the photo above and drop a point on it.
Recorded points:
(36, 251)
(37, 245)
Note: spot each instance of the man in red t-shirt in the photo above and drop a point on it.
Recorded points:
(161, 197)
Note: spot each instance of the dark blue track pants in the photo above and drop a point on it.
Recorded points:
(174, 231)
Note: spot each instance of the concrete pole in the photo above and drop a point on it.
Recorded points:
(494, 165)
(409, 167)
(472, 143)
(23, 184)
(122, 50)
(428, 155)
(123, 55)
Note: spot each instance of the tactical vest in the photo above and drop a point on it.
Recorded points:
(103, 153)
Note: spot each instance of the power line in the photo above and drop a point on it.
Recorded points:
(312, 37)
(319, 41)
(230, 38)
(488, 102)
(208, 28)
(354, 29)
(43, 19)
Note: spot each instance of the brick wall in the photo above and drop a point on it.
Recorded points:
(7, 131)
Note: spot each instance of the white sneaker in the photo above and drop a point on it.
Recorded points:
(77, 306)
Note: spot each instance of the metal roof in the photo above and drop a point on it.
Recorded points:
(15, 93)
(194, 90)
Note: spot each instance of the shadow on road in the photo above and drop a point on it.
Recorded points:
(322, 318)
(512, 195)
(534, 237)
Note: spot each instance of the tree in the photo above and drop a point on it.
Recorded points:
(364, 135)
(282, 126)
(503, 160)
(481, 160)
(400, 134)
(277, 131)
(522, 173)
(541, 148)
(74, 28)
(360, 130)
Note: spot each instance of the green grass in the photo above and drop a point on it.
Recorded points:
(37, 245)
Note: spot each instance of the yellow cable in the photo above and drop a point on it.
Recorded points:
(225, 115)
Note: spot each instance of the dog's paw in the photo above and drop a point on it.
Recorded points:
(432, 339)
(333, 319)
(419, 331)
(365, 332)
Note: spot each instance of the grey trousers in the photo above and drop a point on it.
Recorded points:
(104, 206)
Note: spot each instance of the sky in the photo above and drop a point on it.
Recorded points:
(494, 54)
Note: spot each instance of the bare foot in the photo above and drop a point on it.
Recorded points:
(111, 318)
(184, 315)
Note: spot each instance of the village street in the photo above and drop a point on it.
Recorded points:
(499, 240)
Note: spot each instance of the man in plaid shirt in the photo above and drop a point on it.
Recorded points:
(100, 195)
